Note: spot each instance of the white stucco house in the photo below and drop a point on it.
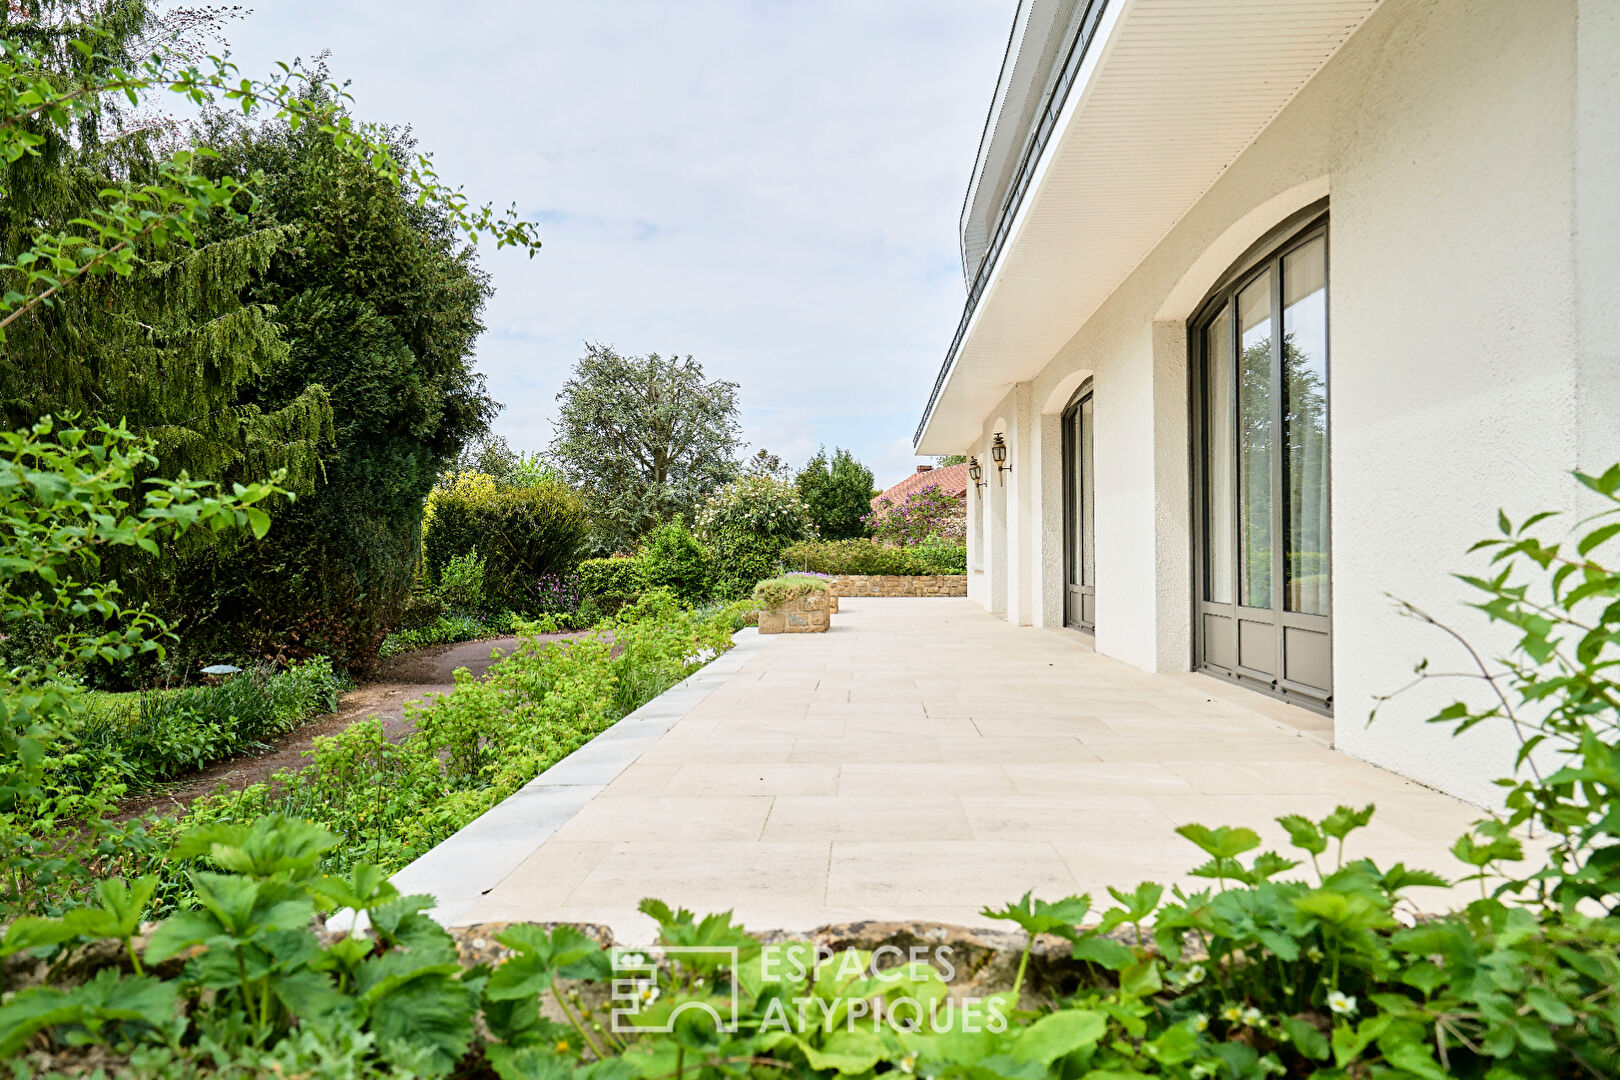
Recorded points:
(1271, 305)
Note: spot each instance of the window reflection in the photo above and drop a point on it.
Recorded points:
(1305, 426)
(1254, 441)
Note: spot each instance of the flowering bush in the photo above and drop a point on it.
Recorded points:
(556, 594)
(746, 524)
(926, 512)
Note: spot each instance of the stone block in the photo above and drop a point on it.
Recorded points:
(808, 614)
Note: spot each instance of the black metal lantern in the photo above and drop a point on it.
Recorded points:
(975, 471)
(998, 451)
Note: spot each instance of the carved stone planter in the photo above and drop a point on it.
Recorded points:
(808, 614)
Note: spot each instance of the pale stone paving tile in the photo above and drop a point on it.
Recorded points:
(867, 817)
(926, 759)
(669, 819)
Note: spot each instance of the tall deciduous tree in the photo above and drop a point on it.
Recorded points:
(838, 492)
(644, 437)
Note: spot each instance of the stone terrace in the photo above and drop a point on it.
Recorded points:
(920, 760)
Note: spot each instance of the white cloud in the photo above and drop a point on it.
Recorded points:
(770, 186)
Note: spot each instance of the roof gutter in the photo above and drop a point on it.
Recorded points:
(1033, 149)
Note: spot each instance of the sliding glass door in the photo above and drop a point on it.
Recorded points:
(1079, 505)
(1262, 420)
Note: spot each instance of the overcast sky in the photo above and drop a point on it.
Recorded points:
(771, 186)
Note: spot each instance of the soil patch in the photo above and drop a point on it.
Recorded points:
(403, 680)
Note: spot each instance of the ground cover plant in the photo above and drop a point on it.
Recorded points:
(391, 801)
(772, 593)
(145, 737)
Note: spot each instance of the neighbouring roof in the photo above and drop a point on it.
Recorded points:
(952, 480)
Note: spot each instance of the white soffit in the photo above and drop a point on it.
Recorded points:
(1170, 95)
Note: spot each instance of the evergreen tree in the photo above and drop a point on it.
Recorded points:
(171, 347)
(838, 492)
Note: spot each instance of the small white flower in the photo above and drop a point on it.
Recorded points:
(1314, 954)
(1200, 1022)
(1232, 1013)
(1251, 1016)
(648, 993)
(908, 1064)
(632, 960)
(1342, 1004)
(1195, 974)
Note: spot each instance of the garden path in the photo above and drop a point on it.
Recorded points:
(918, 761)
(402, 681)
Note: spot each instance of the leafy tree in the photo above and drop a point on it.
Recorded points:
(645, 438)
(494, 457)
(765, 463)
(379, 303)
(144, 276)
(945, 461)
(838, 493)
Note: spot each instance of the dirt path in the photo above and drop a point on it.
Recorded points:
(402, 680)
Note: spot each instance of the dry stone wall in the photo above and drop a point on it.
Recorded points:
(899, 584)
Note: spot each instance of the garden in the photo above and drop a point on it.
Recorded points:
(245, 456)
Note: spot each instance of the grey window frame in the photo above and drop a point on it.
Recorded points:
(1266, 254)
(1079, 599)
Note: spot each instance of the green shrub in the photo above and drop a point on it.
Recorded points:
(774, 592)
(610, 580)
(159, 735)
(933, 556)
(521, 533)
(937, 555)
(448, 629)
(673, 559)
(461, 583)
(746, 524)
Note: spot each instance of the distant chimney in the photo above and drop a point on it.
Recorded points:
(924, 468)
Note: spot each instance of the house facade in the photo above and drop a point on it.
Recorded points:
(1271, 305)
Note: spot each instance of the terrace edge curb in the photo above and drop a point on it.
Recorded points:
(458, 872)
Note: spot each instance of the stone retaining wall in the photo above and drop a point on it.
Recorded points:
(899, 584)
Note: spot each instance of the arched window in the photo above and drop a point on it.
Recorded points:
(1079, 513)
(1261, 390)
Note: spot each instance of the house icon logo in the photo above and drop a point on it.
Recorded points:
(705, 976)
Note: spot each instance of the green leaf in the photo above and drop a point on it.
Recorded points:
(1104, 952)
(431, 1015)
(1344, 820)
(1306, 1037)
(1058, 917)
(1225, 842)
(1303, 833)
(1058, 1034)
(528, 1062)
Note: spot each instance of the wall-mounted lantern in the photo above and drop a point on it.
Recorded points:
(975, 472)
(998, 451)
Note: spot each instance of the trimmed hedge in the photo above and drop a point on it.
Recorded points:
(619, 576)
(871, 557)
(522, 533)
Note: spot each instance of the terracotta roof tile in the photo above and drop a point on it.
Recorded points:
(953, 480)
